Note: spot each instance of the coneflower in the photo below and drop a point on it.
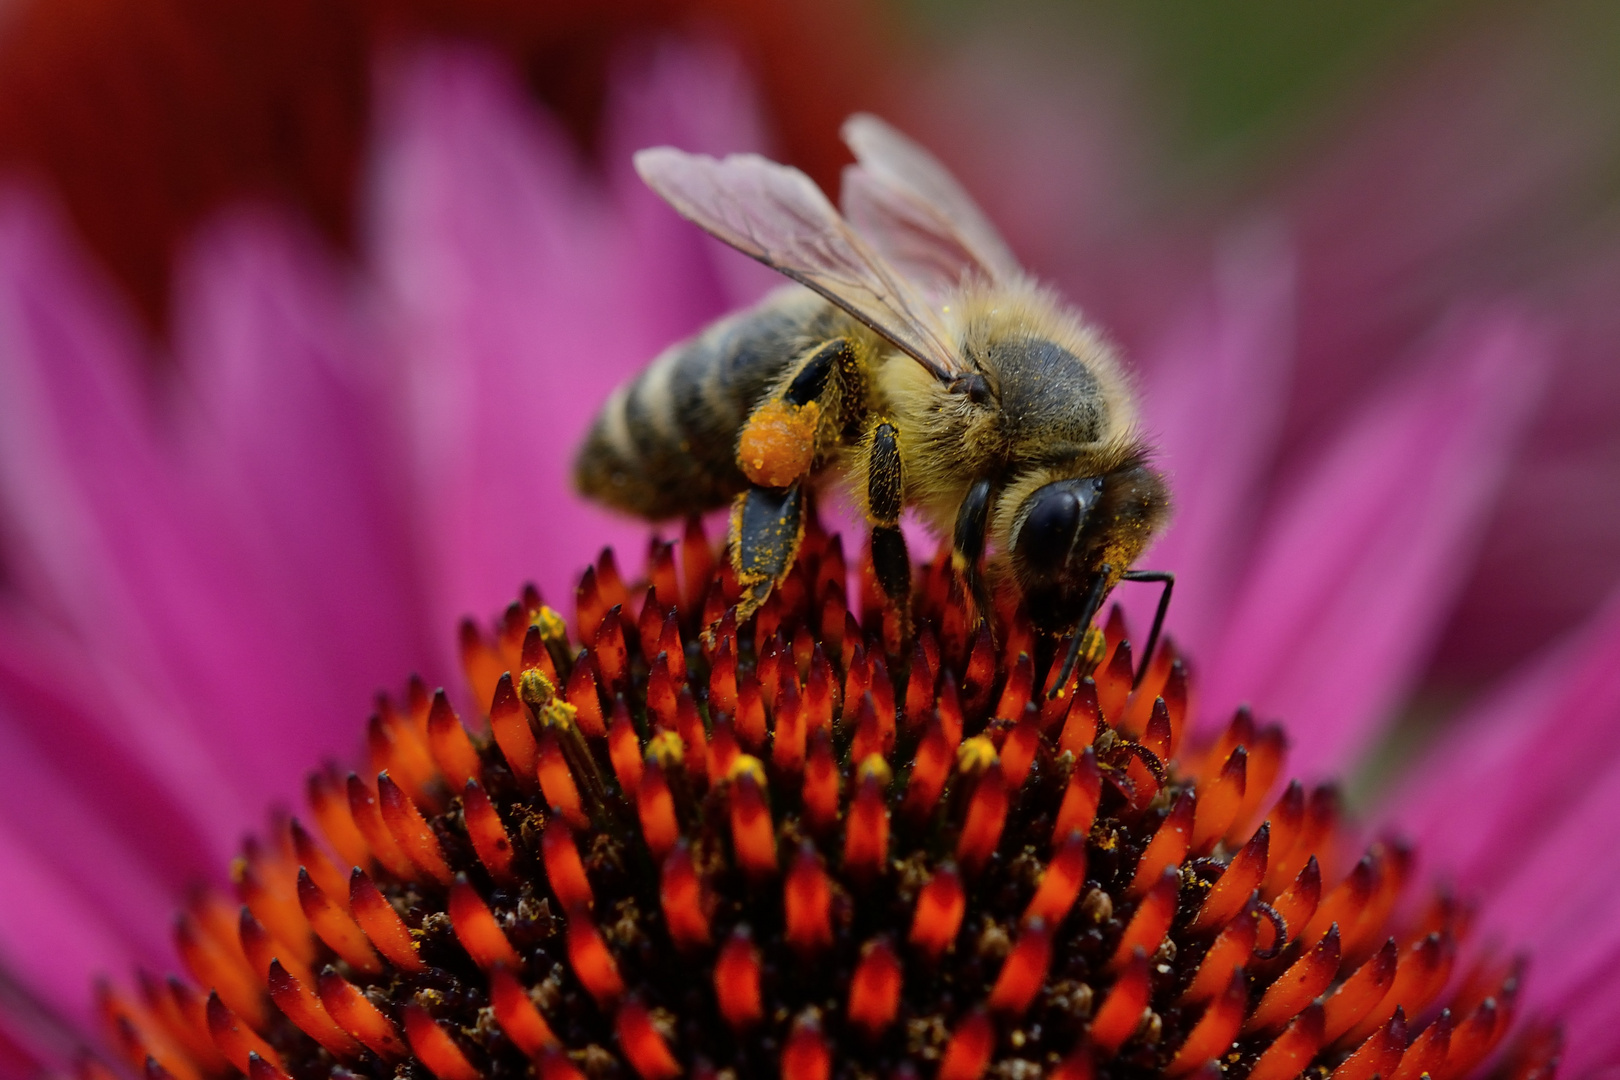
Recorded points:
(835, 840)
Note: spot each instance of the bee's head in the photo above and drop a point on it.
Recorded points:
(1071, 540)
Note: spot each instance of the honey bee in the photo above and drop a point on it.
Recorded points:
(914, 360)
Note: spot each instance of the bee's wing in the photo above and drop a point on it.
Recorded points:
(777, 215)
(914, 212)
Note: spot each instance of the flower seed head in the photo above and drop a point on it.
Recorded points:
(818, 843)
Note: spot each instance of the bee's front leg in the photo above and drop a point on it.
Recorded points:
(968, 540)
(776, 450)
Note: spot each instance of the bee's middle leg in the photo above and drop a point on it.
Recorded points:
(885, 481)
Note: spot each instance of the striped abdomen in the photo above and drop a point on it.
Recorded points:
(665, 443)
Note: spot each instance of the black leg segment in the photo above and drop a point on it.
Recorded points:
(884, 476)
(767, 525)
(1168, 580)
(891, 564)
(1094, 599)
(967, 542)
(811, 381)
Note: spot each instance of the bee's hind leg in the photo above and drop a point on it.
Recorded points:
(777, 445)
(767, 526)
(776, 450)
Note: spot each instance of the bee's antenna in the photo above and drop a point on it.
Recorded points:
(1168, 580)
(1094, 600)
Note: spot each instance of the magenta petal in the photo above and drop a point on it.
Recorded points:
(518, 298)
(97, 530)
(1544, 745)
(1226, 356)
(55, 938)
(295, 450)
(698, 97)
(1359, 567)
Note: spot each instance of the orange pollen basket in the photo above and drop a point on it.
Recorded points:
(834, 840)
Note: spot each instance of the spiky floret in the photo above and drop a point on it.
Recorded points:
(814, 846)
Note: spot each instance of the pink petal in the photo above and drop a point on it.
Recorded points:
(1350, 586)
(97, 529)
(57, 937)
(521, 299)
(1226, 356)
(696, 96)
(1543, 745)
(294, 448)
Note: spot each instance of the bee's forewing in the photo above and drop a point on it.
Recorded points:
(777, 215)
(915, 213)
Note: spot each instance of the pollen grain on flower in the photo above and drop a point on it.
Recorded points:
(834, 839)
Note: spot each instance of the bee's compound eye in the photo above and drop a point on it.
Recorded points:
(1053, 521)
